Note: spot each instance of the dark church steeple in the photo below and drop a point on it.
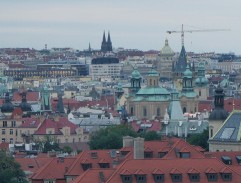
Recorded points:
(106, 45)
(218, 113)
(109, 43)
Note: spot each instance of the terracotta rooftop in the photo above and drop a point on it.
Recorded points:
(57, 125)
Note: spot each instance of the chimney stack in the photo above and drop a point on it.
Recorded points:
(128, 141)
(139, 148)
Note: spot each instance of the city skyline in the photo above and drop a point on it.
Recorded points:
(132, 24)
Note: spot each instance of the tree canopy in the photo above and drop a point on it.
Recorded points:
(10, 171)
(48, 144)
(111, 137)
(199, 139)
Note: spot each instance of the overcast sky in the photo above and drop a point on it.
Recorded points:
(140, 24)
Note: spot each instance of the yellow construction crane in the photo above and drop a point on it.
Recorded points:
(191, 31)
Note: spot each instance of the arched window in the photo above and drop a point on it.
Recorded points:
(150, 81)
(144, 111)
(132, 110)
(158, 112)
(184, 110)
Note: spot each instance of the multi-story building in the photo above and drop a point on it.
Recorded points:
(165, 61)
(105, 67)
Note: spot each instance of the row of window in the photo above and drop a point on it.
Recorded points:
(11, 140)
(5, 124)
(4, 132)
(158, 111)
(193, 177)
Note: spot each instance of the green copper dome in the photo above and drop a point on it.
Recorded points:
(136, 74)
(166, 50)
(187, 73)
(201, 81)
(153, 72)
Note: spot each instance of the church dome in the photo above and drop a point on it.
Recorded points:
(166, 50)
(25, 106)
(7, 107)
(153, 72)
(187, 73)
(136, 74)
(218, 114)
(200, 81)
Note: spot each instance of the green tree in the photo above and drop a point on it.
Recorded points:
(111, 137)
(10, 171)
(199, 139)
(151, 135)
(67, 149)
(48, 144)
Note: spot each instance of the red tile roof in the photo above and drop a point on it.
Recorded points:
(30, 123)
(93, 175)
(54, 169)
(4, 146)
(57, 125)
(86, 156)
(31, 97)
(166, 166)
(205, 106)
(32, 165)
(231, 104)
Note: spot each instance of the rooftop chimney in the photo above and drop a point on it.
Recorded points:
(139, 148)
(128, 141)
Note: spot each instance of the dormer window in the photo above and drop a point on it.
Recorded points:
(194, 177)
(184, 154)
(141, 178)
(126, 178)
(94, 155)
(86, 166)
(226, 176)
(148, 154)
(212, 177)
(158, 178)
(227, 160)
(104, 165)
(161, 154)
(176, 177)
(238, 158)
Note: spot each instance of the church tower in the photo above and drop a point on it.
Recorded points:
(189, 98)
(164, 62)
(218, 115)
(104, 44)
(109, 43)
(201, 83)
(135, 81)
(45, 99)
(179, 68)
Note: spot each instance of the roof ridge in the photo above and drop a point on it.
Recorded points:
(77, 160)
(42, 168)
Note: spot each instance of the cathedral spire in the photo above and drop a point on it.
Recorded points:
(104, 39)
(109, 43)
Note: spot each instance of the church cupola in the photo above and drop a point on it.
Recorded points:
(201, 80)
(7, 107)
(135, 80)
(153, 78)
(218, 113)
(24, 105)
(187, 80)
